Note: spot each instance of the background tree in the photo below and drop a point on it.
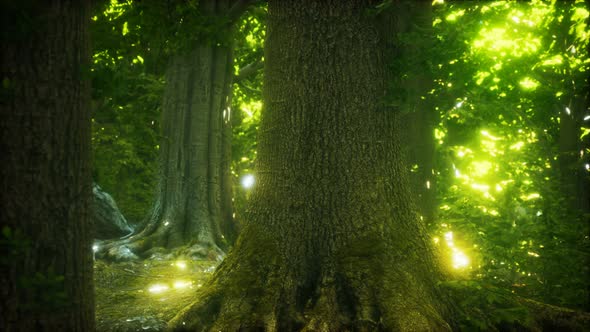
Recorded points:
(331, 240)
(193, 199)
(46, 265)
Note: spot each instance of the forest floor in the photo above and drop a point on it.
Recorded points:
(145, 295)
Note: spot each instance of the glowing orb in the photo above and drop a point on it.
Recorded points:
(248, 181)
(459, 259)
(158, 288)
(181, 284)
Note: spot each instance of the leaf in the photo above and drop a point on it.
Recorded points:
(7, 232)
(125, 29)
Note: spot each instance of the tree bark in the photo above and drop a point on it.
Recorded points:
(46, 260)
(414, 22)
(331, 242)
(193, 198)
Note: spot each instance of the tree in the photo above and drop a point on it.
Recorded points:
(193, 196)
(568, 39)
(413, 82)
(331, 240)
(46, 265)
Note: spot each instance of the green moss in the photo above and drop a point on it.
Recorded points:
(244, 291)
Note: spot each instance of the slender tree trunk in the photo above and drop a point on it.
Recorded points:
(331, 241)
(572, 178)
(46, 259)
(414, 22)
(574, 185)
(193, 199)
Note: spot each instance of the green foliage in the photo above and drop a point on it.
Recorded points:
(127, 77)
(126, 143)
(507, 79)
(246, 102)
(483, 307)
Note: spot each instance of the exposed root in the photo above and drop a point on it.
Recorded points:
(263, 293)
(152, 245)
(222, 309)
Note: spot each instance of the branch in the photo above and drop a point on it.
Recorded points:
(248, 70)
(247, 89)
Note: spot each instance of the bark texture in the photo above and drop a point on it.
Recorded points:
(45, 182)
(331, 241)
(193, 198)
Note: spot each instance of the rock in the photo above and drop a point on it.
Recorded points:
(109, 223)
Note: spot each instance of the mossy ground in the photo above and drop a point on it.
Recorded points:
(124, 301)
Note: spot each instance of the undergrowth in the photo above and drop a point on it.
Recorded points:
(124, 301)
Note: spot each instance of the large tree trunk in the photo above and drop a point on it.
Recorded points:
(331, 242)
(45, 192)
(193, 198)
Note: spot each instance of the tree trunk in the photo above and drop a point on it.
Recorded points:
(414, 22)
(574, 183)
(331, 241)
(193, 198)
(572, 178)
(46, 259)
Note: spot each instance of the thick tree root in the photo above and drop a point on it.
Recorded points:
(152, 245)
(222, 310)
(263, 293)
